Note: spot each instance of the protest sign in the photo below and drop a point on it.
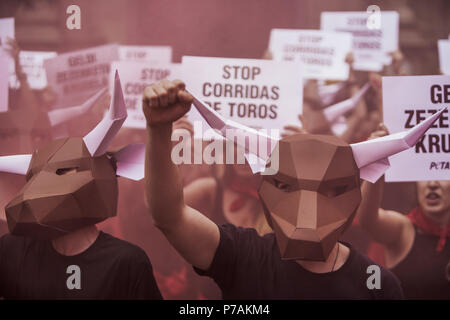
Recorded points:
(262, 94)
(134, 77)
(32, 63)
(321, 53)
(406, 102)
(152, 54)
(7, 31)
(77, 75)
(4, 75)
(371, 43)
(444, 56)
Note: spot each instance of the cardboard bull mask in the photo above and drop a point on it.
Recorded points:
(313, 196)
(71, 182)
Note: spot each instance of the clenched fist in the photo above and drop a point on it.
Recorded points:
(165, 102)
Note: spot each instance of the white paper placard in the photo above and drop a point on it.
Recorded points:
(263, 94)
(7, 31)
(406, 102)
(77, 75)
(4, 76)
(134, 77)
(32, 63)
(152, 54)
(444, 56)
(370, 46)
(322, 53)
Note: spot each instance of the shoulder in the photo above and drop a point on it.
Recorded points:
(122, 249)
(245, 240)
(241, 233)
(240, 250)
(12, 241)
(16, 247)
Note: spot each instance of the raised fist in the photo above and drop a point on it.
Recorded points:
(165, 102)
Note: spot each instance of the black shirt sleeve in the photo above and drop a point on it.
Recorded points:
(390, 287)
(237, 247)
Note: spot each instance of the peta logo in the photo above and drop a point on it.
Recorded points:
(74, 20)
(374, 280)
(74, 280)
(374, 19)
(441, 165)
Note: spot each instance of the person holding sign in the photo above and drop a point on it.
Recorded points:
(302, 258)
(415, 245)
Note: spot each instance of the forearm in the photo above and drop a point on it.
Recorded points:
(370, 204)
(353, 124)
(385, 227)
(27, 96)
(164, 184)
(21, 75)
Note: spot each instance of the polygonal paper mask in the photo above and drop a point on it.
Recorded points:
(313, 197)
(71, 182)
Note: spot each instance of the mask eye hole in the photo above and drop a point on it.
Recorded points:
(281, 185)
(336, 191)
(63, 171)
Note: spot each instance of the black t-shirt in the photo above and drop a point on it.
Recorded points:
(3, 228)
(425, 272)
(109, 269)
(248, 266)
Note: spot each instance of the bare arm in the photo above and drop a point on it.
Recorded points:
(385, 227)
(14, 52)
(192, 234)
(200, 194)
(389, 228)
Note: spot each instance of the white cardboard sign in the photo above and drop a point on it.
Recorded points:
(7, 31)
(152, 54)
(444, 56)
(321, 53)
(4, 76)
(370, 45)
(406, 102)
(262, 94)
(134, 77)
(77, 75)
(32, 63)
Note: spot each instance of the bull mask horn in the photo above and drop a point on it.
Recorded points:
(372, 156)
(61, 115)
(98, 140)
(15, 164)
(332, 113)
(253, 141)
